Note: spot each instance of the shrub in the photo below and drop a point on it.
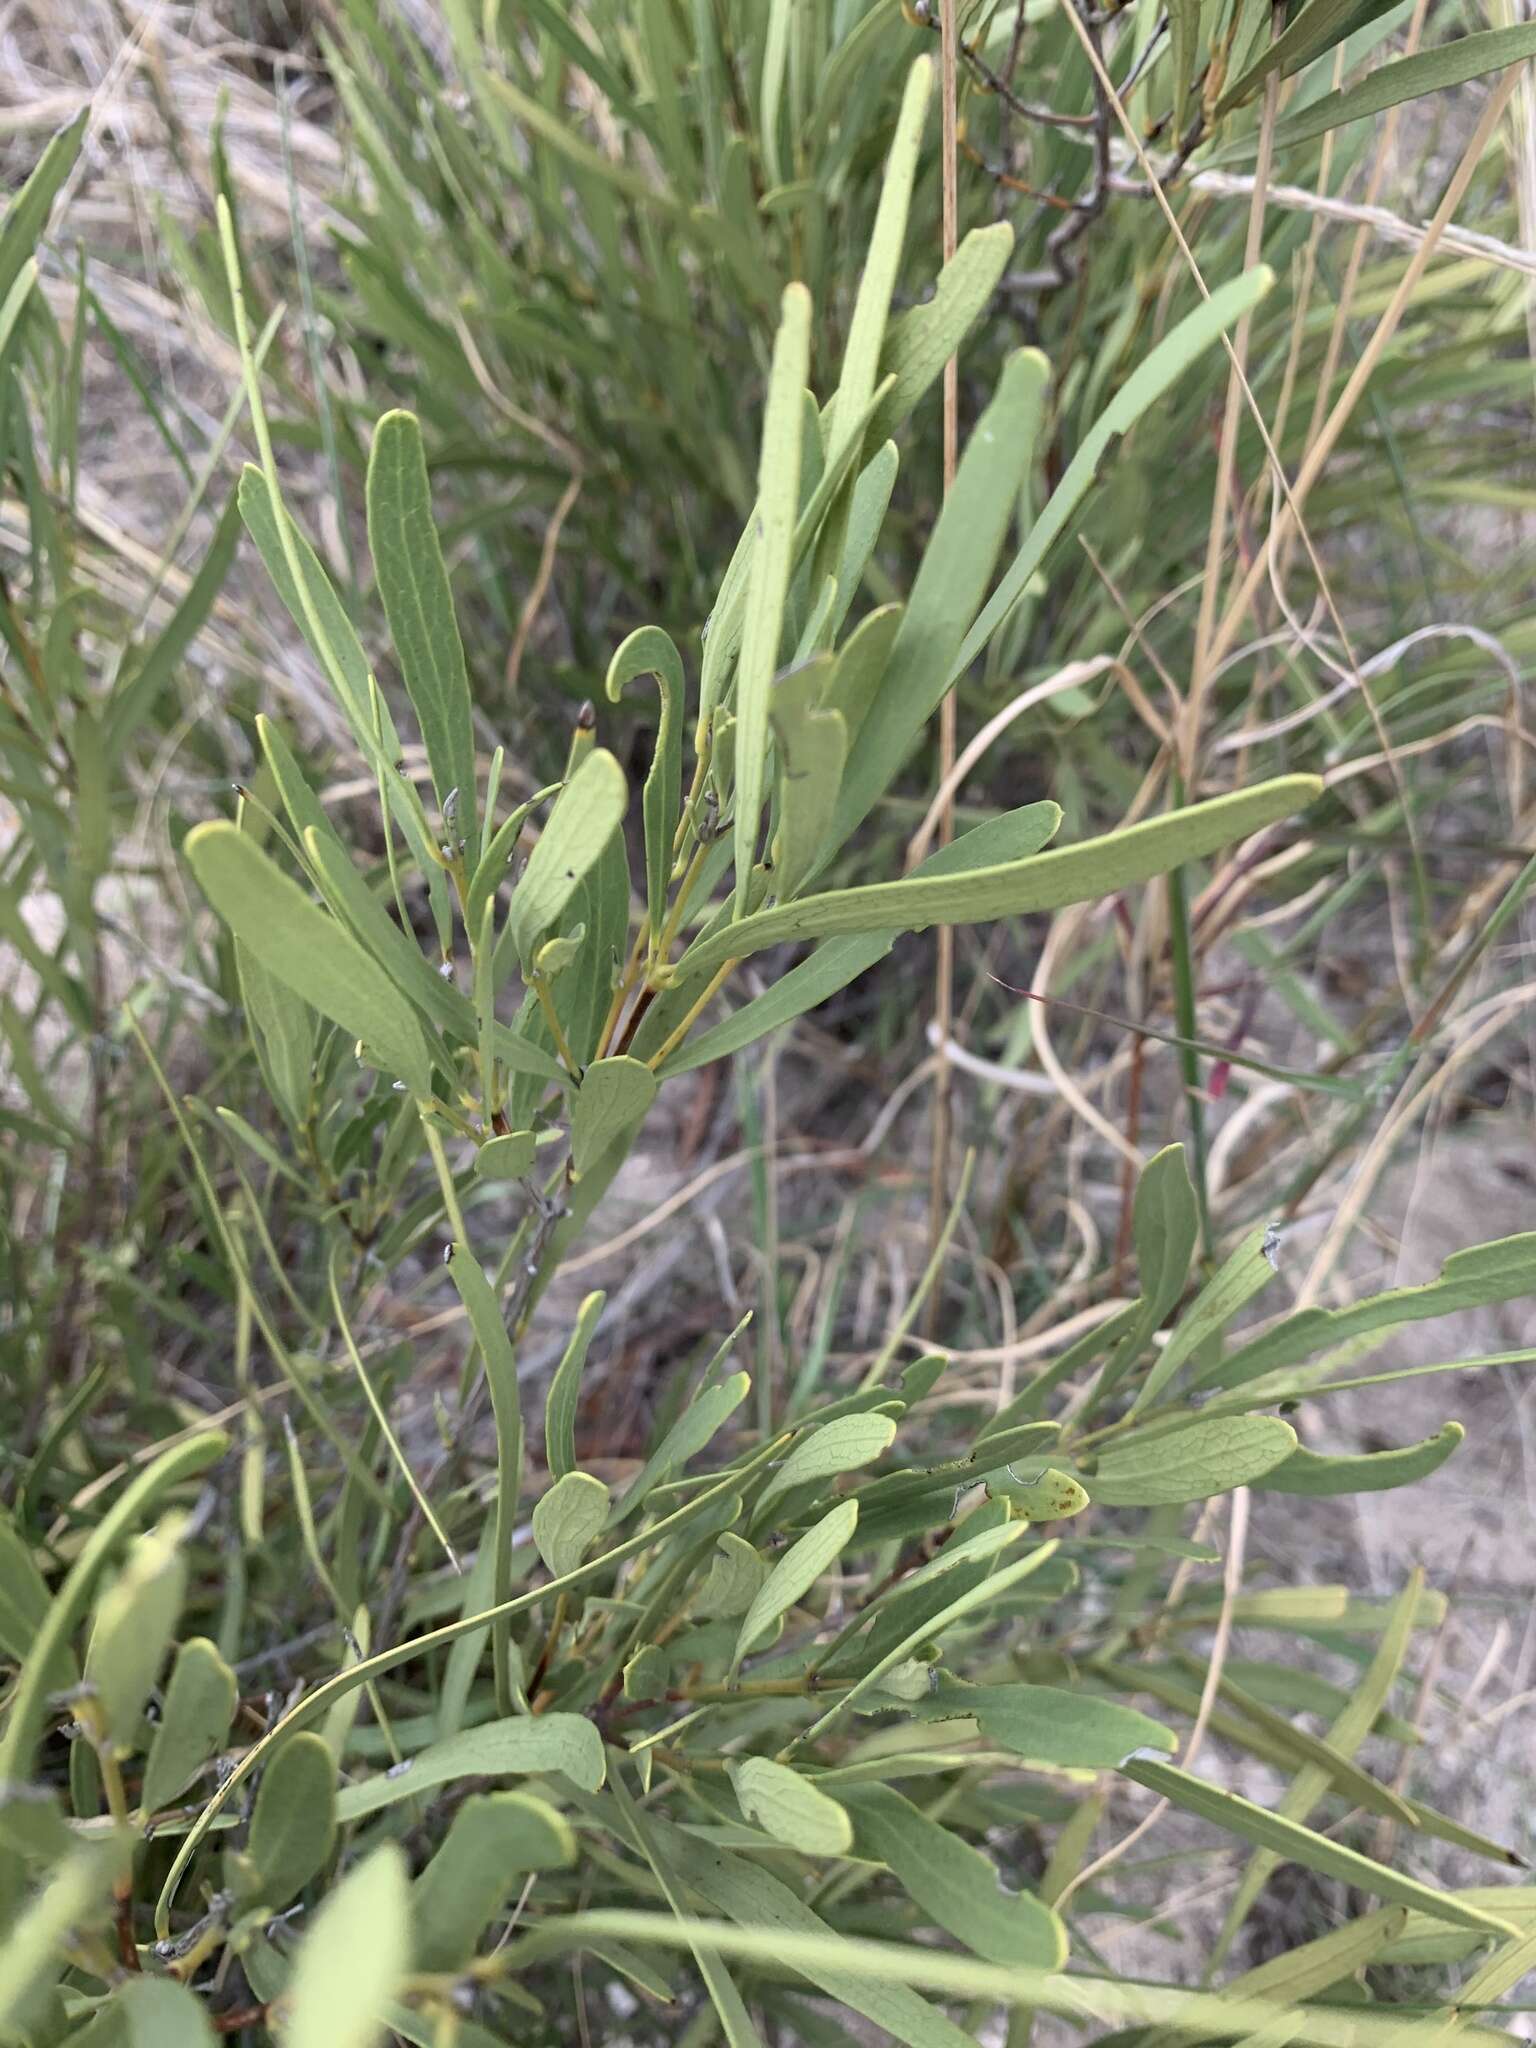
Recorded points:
(858, 1667)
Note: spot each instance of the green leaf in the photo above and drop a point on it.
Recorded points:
(509, 1157)
(790, 1808)
(859, 666)
(23, 1593)
(585, 816)
(491, 869)
(135, 1622)
(1308, 33)
(833, 965)
(338, 650)
(568, 1520)
(840, 1446)
(495, 1839)
(866, 329)
(32, 1955)
(565, 1388)
(308, 950)
(1473, 1278)
(413, 582)
(693, 1429)
(1410, 78)
(1195, 1462)
(1048, 881)
(354, 1959)
(611, 1099)
(284, 1030)
(1184, 50)
(795, 1573)
(950, 584)
(648, 1835)
(486, 1320)
(1300, 1973)
(29, 1697)
(1307, 1472)
(755, 1899)
(32, 1825)
(1073, 1730)
(133, 702)
(194, 1726)
(1228, 1290)
(1298, 1844)
(1173, 355)
(293, 1823)
(27, 214)
(734, 1579)
(919, 344)
(156, 2012)
(522, 1745)
(1166, 1220)
(768, 574)
(954, 1885)
(810, 748)
(650, 652)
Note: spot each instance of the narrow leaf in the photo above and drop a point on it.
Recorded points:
(413, 582)
(522, 1745)
(308, 950)
(1049, 881)
(586, 814)
(956, 1887)
(1173, 355)
(795, 1573)
(768, 574)
(1301, 1845)
(564, 1389)
(650, 652)
(1307, 1472)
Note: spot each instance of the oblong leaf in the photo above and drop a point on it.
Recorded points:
(1302, 1845)
(956, 1886)
(650, 652)
(194, 1726)
(1410, 78)
(840, 1446)
(1308, 1472)
(612, 1097)
(354, 1959)
(795, 1573)
(1049, 1724)
(768, 573)
(1195, 1462)
(307, 950)
(1473, 1278)
(791, 1808)
(565, 1387)
(568, 1520)
(1048, 881)
(1168, 361)
(495, 1839)
(413, 583)
(585, 816)
(1011, 836)
(293, 1823)
(523, 1745)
